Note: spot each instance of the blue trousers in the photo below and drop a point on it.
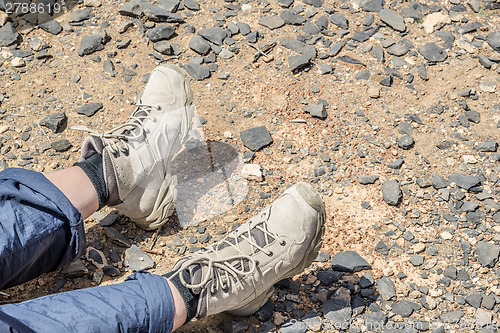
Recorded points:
(41, 231)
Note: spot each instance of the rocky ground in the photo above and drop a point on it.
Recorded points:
(391, 110)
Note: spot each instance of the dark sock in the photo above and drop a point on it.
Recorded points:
(190, 298)
(92, 167)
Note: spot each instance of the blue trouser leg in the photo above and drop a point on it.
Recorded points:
(40, 230)
(143, 303)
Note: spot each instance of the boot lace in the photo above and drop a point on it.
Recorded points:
(131, 130)
(225, 271)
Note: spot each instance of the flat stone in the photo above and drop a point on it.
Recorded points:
(55, 122)
(339, 20)
(483, 318)
(464, 181)
(80, 15)
(170, 5)
(291, 17)
(374, 6)
(271, 22)
(439, 182)
(75, 269)
(391, 192)
(494, 40)
(328, 277)
(161, 32)
(199, 45)
(142, 8)
(365, 180)
(256, 138)
(191, 5)
(349, 261)
(398, 49)
(61, 145)
(392, 19)
(198, 72)
(51, 26)
(90, 44)
(164, 48)
(89, 109)
(136, 259)
(487, 146)
(109, 68)
(252, 172)
(8, 35)
(105, 219)
(297, 62)
(417, 260)
(117, 237)
(433, 53)
(452, 317)
(487, 254)
(314, 3)
(386, 288)
(474, 300)
(338, 308)
(404, 308)
(374, 321)
(316, 110)
(215, 35)
(405, 142)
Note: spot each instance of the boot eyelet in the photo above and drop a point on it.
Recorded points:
(225, 287)
(283, 243)
(159, 107)
(270, 254)
(257, 263)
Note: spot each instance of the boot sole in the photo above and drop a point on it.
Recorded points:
(307, 192)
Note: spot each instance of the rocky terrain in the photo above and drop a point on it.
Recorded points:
(390, 109)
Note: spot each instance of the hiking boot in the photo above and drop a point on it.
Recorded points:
(237, 274)
(137, 154)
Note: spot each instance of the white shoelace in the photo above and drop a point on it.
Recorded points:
(132, 129)
(221, 269)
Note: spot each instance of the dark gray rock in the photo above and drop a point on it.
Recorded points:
(75, 269)
(199, 45)
(198, 72)
(391, 192)
(291, 17)
(271, 22)
(452, 317)
(170, 5)
(349, 261)
(297, 62)
(339, 20)
(314, 3)
(316, 110)
(8, 35)
(90, 44)
(494, 40)
(215, 35)
(89, 109)
(360, 36)
(417, 260)
(398, 49)
(55, 122)
(142, 8)
(136, 259)
(373, 6)
(52, 27)
(487, 146)
(109, 68)
(404, 308)
(365, 180)
(375, 321)
(311, 28)
(473, 116)
(366, 280)
(328, 277)
(474, 300)
(256, 138)
(396, 164)
(105, 219)
(392, 19)
(61, 145)
(191, 5)
(433, 53)
(161, 32)
(464, 181)
(386, 288)
(163, 47)
(80, 15)
(338, 308)
(487, 254)
(336, 48)
(387, 81)
(111, 270)
(439, 182)
(406, 142)
(285, 3)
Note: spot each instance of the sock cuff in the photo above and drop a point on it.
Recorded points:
(190, 298)
(92, 167)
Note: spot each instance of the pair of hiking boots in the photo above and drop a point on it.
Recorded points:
(237, 273)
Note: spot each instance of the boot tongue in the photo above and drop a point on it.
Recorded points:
(195, 274)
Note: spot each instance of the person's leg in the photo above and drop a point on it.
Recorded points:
(77, 187)
(235, 274)
(40, 229)
(142, 303)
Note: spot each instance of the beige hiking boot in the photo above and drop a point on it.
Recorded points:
(237, 274)
(137, 154)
